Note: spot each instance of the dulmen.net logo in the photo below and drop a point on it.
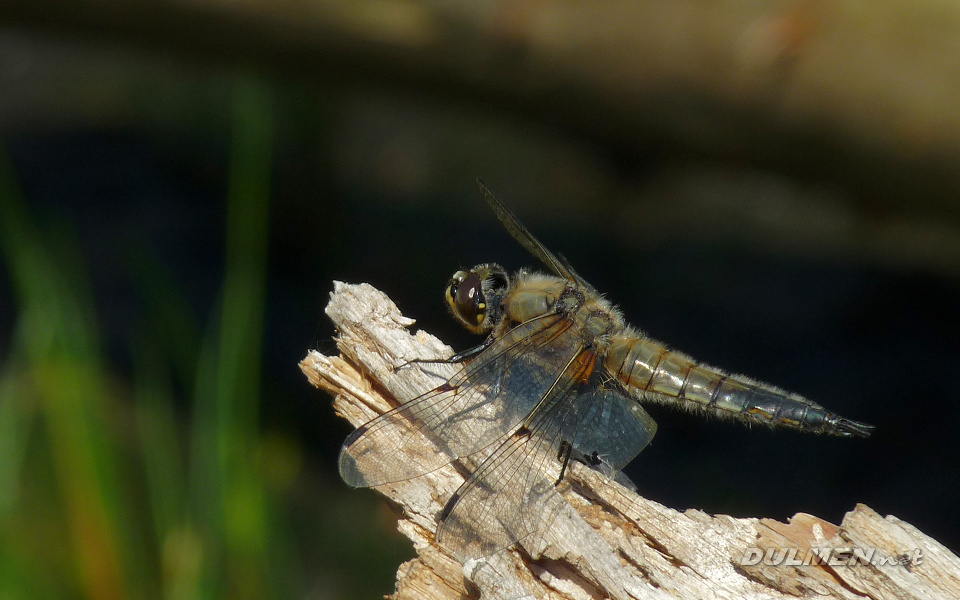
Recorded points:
(831, 557)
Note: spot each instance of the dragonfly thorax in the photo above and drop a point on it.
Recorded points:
(534, 295)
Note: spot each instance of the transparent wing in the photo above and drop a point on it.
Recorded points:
(488, 397)
(557, 264)
(508, 499)
(609, 429)
(512, 495)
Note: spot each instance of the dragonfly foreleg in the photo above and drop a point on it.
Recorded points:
(457, 358)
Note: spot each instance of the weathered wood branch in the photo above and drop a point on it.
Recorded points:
(611, 542)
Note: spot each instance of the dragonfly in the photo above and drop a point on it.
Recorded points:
(560, 376)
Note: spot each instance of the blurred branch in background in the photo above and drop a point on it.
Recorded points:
(863, 96)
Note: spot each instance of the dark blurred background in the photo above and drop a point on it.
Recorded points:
(771, 189)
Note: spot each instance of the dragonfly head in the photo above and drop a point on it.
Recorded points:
(475, 297)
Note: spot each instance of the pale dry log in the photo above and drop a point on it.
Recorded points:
(610, 542)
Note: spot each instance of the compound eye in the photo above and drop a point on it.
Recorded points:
(453, 286)
(468, 302)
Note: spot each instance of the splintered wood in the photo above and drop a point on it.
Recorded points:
(609, 542)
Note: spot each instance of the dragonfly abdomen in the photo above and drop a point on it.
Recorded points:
(655, 373)
(648, 366)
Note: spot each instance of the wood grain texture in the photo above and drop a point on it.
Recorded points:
(609, 542)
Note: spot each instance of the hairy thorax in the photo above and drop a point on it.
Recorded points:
(534, 295)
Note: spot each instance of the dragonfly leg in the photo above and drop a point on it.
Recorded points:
(457, 358)
(566, 448)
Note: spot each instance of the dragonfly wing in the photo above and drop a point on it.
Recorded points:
(486, 399)
(608, 428)
(508, 499)
(557, 264)
(512, 495)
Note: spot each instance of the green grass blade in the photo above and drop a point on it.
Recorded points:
(62, 361)
(228, 489)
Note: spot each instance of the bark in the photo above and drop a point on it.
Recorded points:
(610, 542)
